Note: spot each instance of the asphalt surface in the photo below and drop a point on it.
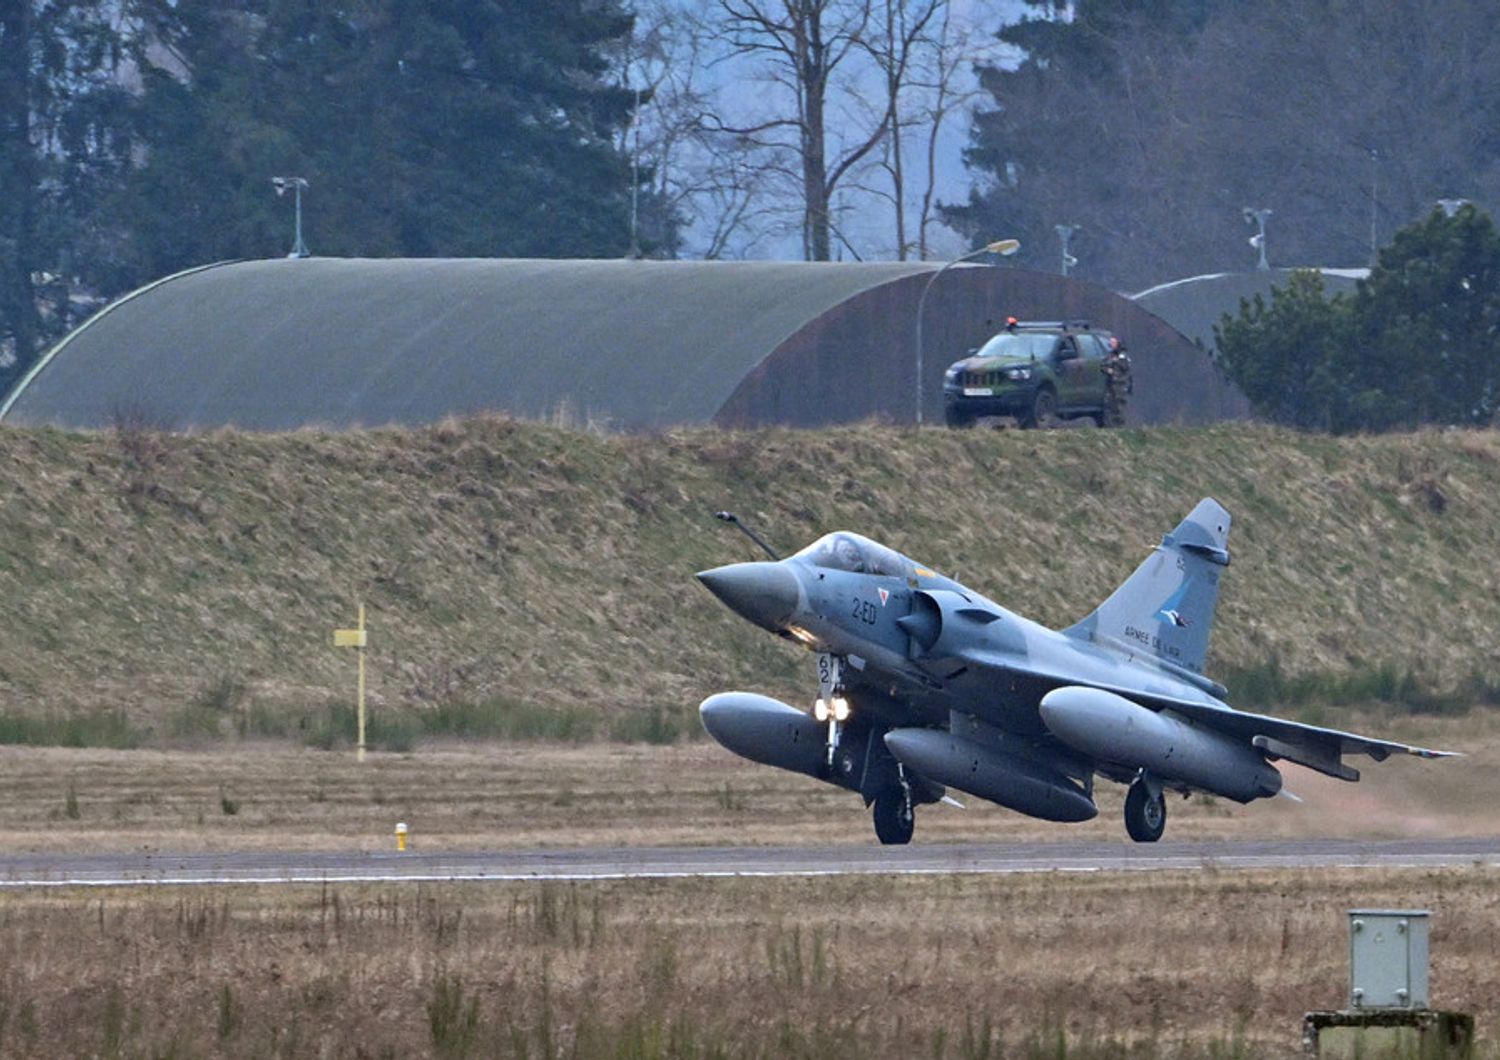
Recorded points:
(609, 863)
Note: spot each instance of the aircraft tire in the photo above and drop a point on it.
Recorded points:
(895, 821)
(1145, 816)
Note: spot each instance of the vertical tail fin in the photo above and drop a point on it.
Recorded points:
(1165, 610)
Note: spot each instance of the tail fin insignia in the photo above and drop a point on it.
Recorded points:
(1166, 608)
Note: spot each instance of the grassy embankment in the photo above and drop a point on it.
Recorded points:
(525, 580)
(1148, 965)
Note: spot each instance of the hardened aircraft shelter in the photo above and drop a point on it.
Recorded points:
(337, 343)
(1194, 306)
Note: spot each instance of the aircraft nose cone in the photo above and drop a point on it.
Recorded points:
(763, 593)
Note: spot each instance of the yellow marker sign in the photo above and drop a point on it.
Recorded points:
(358, 639)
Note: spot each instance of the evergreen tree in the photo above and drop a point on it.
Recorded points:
(66, 145)
(1428, 323)
(1418, 344)
(450, 128)
(1285, 353)
(1152, 124)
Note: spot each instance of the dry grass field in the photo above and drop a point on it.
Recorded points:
(485, 795)
(1210, 964)
(538, 652)
(1147, 965)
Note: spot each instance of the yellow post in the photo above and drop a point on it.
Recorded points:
(360, 753)
(401, 837)
(356, 639)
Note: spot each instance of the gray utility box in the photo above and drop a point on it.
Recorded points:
(1388, 958)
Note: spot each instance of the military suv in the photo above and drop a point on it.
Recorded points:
(1034, 371)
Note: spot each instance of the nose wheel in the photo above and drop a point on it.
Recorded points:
(1145, 810)
(894, 808)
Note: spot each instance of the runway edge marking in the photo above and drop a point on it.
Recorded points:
(1133, 865)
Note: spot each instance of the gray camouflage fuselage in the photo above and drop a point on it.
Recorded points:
(947, 687)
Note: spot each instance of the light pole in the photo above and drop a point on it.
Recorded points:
(1065, 233)
(281, 184)
(1003, 247)
(1258, 241)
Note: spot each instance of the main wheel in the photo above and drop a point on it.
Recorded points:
(895, 820)
(1043, 409)
(1145, 814)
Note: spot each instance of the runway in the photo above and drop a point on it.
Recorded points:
(620, 863)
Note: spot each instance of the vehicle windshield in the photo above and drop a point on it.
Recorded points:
(1018, 344)
(858, 555)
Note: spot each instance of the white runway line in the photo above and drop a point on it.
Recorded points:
(982, 863)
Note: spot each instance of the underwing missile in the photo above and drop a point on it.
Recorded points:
(1110, 727)
(1010, 780)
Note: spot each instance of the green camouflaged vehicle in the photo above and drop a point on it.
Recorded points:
(1036, 372)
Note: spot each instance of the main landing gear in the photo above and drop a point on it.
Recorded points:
(1145, 810)
(895, 817)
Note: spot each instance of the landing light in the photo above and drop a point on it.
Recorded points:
(820, 709)
(840, 708)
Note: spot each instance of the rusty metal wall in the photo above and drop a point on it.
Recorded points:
(857, 360)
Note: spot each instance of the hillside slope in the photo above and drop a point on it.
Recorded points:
(552, 570)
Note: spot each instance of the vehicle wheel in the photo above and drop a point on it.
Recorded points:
(895, 819)
(1043, 409)
(1145, 816)
(956, 419)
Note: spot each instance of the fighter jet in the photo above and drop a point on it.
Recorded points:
(924, 684)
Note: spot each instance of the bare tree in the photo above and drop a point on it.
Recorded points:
(802, 45)
(946, 88)
(901, 36)
(730, 137)
(713, 183)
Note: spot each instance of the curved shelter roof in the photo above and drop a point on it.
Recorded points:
(1194, 305)
(285, 343)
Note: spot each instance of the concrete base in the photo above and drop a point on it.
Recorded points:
(1388, 1034)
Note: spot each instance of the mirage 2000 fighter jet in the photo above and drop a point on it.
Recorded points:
(924, 683)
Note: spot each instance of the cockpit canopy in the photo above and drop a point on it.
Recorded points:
(858, 555)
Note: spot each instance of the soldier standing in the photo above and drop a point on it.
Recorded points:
(1118, 383)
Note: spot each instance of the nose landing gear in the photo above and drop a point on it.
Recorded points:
(895, 800)
(832, 705)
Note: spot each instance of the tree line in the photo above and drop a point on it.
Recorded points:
(139, 137)
(1152, 124)
(1417, 344)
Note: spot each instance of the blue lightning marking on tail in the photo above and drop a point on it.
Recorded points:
(1170, 610)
